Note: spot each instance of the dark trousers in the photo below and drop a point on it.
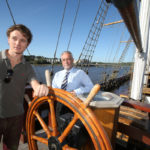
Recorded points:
(10, 129)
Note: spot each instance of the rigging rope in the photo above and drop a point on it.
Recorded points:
(115, 74)
(117, 51)
(10, 12)
(73, 25)
(116, 67)
(53, 62)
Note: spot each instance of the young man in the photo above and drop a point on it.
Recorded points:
(15, 73)
(78, 82)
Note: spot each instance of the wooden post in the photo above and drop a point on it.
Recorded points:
(48, 77)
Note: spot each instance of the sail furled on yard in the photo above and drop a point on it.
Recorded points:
(139, 28)
(87, 52)
(142, 60)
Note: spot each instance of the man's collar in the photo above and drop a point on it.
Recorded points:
(69, 70)
(4, 56)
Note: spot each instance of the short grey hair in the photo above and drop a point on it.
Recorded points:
(68, 52)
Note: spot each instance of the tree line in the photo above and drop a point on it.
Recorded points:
(44, 60)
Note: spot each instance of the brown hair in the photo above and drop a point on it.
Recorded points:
(23, 29)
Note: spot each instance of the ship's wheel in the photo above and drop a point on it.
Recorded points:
(52, 138)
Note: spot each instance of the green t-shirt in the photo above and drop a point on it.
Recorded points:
(12, 93)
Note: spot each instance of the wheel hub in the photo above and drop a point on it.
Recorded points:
(54, 144)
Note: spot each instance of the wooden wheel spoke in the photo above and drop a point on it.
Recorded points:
(66, 147)
(43, 124)
(68, 129)
(53, 117)
(40, 139)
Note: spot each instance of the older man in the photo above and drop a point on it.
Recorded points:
(71, 79)
(77, 82)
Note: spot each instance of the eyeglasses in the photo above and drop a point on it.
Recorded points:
(9, 75)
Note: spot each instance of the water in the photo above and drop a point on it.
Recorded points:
(95, 73)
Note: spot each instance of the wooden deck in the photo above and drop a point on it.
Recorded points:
(24, 146)
(134, 124)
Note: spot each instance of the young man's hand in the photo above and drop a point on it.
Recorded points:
(73, 92)
(39, 89)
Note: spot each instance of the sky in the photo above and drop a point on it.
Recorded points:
(43, 18)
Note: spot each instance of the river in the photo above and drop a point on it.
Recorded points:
(95, 73)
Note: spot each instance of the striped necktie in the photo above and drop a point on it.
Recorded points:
(65, 81)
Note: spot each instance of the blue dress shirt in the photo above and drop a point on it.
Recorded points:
(78, 81)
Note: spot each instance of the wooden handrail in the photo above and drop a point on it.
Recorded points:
(137, 105)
